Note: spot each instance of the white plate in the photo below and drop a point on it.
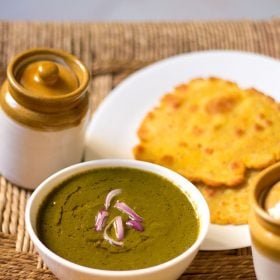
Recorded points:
(112, 131)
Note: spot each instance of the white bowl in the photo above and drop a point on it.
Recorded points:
(67, 270)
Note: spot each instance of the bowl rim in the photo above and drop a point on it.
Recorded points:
(170, 175)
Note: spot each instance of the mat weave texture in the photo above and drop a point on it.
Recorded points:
(112, 51)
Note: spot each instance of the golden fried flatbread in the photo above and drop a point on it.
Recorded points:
(229, 205)
(211, 131)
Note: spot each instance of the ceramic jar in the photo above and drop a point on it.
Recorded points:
(43, 115)
(264, 224)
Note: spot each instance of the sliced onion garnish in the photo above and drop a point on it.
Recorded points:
(135, 225)
(108, 238)
(118, 226)
(110, 196)
(100, 219)
(127, 210)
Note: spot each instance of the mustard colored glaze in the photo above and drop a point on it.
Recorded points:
(264, 229)
(47, 78)
(265, 237)
(39, 120)
(47, 72)
(46, 89)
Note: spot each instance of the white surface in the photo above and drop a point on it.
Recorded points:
(112, 131)
(67, 270)
(265, 268)
(138, 10)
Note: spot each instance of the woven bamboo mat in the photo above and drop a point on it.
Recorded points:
(112, 51)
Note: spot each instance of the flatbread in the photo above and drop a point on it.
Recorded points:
(212, 132)
(229, 205)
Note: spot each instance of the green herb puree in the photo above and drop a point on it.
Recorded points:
(66, 219)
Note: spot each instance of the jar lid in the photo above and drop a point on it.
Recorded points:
(46, 89)
(47, 78)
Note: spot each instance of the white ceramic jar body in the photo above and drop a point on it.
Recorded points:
(264, 224)
(29, 156)
(44, 108)
(265, 268)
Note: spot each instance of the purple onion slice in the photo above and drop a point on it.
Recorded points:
(123, 207)
(100, 219)
(110, 196)
(119, 229)
(108, 238)
(135, 225)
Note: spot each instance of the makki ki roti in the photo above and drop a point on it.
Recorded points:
(229, 205)
(212, 132)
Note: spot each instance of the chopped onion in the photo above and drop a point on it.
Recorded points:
(102, 215)
(100, 219)
(110, 196)
(108, 238)
(135, 225)
(127, 210)
(118, 226)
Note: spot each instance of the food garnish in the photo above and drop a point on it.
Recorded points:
(100, 219)
(134, 220)
(135, 225)
(127, 210)
(107, 237)
(118, 226)
(110, 196)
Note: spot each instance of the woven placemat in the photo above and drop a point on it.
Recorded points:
(112, 51)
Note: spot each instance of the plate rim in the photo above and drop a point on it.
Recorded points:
(112, 93)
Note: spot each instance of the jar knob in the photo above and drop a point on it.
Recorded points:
(48, 72)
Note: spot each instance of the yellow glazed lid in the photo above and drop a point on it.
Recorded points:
(46, 89)
(69, 75)
(47, 78)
